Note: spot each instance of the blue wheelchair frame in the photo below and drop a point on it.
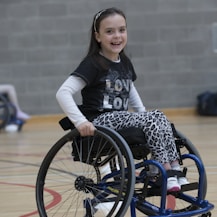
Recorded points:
(204, 205)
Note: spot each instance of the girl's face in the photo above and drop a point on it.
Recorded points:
(112, 36)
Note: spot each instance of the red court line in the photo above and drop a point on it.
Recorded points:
(56, 197)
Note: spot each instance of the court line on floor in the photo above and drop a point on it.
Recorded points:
(56, 197)
(5, 154)
(20, 162)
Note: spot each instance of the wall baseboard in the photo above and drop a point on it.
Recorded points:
(180, 111)
(168, 112)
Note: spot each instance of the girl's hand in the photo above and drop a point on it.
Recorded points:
(86, 129)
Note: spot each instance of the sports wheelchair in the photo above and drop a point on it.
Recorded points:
(111, 174)
(8, 113)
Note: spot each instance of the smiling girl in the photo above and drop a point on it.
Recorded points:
(106, 78)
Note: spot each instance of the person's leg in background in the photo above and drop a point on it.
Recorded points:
(10, 91)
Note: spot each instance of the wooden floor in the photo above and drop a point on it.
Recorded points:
(21, 154)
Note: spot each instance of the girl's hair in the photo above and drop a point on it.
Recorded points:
(94, 46)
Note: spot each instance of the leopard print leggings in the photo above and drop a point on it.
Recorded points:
(157, 130)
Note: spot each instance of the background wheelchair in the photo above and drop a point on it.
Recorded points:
(8, 113)
(110, 174)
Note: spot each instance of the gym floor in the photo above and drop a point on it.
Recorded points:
(21, 154)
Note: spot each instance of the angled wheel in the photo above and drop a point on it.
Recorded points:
(193, 174)
(4, 112)
(187, 147)
(74, 178)
(178, 202)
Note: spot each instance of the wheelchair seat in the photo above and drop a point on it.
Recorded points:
(132, 135)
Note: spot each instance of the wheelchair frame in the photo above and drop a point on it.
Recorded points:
(4, 112)
(120, 187)
(8, 113)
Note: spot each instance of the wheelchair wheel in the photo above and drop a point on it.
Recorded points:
(74, 178)
(177, 202)
(187, 147)
(4, 112)
(193, 176)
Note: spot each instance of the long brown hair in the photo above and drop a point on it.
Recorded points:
(94, 46)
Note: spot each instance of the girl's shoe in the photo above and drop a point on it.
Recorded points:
(183, 181)
(104, 170)
(173, 185)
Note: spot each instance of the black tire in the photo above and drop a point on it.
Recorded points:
(189, 148)
(4, 112)
(72, 170)
(181, 205)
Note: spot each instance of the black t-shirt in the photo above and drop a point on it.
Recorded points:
(108, 84)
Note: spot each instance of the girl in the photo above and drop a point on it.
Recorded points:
(106, 78)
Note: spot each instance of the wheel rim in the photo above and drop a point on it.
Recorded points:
(70, 181)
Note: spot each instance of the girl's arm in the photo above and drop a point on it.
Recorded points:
(135, 100)
(64, 96)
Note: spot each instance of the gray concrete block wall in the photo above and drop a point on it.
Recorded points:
(170, 43)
